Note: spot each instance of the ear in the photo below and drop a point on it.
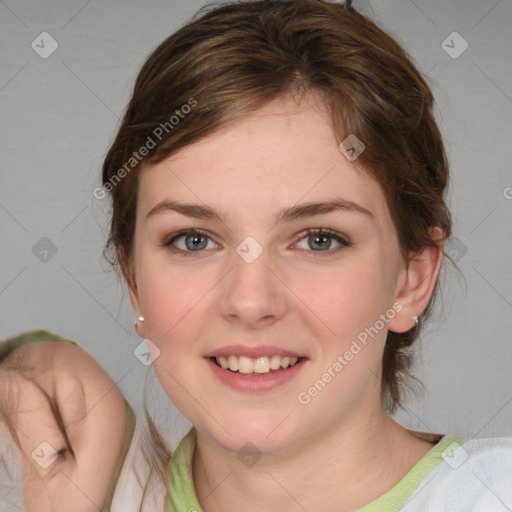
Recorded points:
(129, 276)
(418, 283)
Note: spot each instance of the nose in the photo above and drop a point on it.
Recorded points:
(253, 293)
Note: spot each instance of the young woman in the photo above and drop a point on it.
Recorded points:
(279, 215)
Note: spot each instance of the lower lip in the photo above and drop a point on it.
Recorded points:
(255, 382)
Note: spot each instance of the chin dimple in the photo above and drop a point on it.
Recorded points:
(259, 365)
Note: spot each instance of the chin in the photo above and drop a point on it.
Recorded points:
(266, 431)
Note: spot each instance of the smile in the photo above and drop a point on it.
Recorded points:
(259, 365)
(255, 374)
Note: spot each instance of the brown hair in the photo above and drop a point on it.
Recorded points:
(233, 58)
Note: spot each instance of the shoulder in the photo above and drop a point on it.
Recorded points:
(473, 475)
(499, 447)
(489, 461)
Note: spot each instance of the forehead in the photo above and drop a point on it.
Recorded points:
(281, 154)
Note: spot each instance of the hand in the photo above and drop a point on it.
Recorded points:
(68, 419)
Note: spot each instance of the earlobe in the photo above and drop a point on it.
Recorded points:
(139, 324)
(129, 277)
(420, 279)
(139, 327)
(134, 299)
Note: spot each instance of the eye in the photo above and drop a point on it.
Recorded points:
(193, 242)
(322, 239)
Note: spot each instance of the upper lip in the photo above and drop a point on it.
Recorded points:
(253, 351)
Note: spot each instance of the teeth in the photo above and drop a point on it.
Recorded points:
(233, 363)
(245, 365)
(263, 364)
(275, 362)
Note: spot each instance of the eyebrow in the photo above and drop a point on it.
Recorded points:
(288, 214)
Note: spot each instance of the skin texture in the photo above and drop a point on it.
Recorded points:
(40, 376)
(281, 155)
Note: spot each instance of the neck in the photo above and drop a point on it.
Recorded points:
(362, 459)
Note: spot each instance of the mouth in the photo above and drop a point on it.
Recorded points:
(255, 366)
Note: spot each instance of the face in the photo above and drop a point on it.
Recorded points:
(257, 286)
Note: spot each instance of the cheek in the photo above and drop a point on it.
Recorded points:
(343, 301)
(176, 308)
(177, 305)
(171, 297)
(345, 321)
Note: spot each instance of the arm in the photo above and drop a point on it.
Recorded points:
(70, 423)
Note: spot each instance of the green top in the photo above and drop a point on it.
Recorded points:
(7, 346)
(182, 497)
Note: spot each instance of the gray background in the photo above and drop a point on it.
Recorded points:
(59, 114)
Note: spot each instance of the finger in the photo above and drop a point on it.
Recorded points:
(51, 479)
(41, 443)
(92, 416)
(39, 435)
(97, 436)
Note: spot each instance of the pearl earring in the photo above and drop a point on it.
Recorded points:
(141, 318)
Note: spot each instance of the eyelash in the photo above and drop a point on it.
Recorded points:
(314, 231)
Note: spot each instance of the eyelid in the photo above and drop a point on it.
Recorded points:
(323, 231)
(178, 234)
